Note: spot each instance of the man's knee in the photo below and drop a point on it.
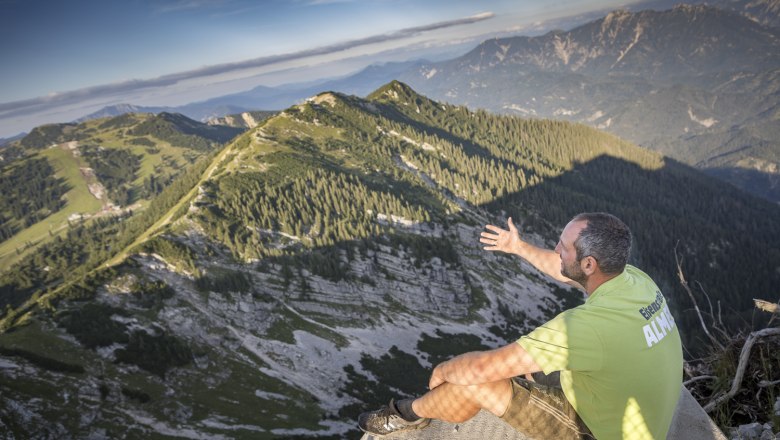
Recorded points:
(492, 396)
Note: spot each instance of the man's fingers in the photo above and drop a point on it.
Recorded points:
(494, 228)
(489, 237)
(511, 224)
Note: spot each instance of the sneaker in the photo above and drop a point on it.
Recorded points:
(388, 420)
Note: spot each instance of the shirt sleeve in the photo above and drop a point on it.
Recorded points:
(566, 342)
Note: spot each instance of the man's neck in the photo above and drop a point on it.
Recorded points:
(595, 281)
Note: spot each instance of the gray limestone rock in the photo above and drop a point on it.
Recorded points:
(751, 431)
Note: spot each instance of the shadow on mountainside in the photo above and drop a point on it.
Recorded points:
(764, 184)
(729, 239)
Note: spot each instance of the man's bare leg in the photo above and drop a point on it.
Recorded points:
(458, 403)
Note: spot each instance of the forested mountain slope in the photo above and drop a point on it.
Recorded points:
(329, 256)
(62, 174)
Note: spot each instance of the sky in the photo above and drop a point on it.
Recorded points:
(65, 59)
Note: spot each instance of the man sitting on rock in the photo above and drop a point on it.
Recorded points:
(619, 354)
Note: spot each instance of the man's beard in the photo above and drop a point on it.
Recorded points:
(574, 272)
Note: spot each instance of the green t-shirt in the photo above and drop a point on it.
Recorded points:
(619, 355)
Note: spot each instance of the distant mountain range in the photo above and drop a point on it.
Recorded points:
(121, 109)
(321, 262)
(697, 83)
(8, 140)
(273, 98)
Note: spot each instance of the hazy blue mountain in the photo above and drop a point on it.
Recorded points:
(8, 140)
(263, 98)
(121, 109)
(277, 98)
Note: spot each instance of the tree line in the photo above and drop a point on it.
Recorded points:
(29, 192)
(116, 168)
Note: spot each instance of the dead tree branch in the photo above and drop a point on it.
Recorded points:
(712, 312)
(690, 294)
(743, 360)
(698, 378)
(715, 325)
(766, 383)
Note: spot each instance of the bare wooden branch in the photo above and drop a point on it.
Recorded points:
(712, 312)
(698, 378)
(766, 383)
(716, 325)
(743, 360)
(690, 294)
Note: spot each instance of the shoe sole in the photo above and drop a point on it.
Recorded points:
(421, 425)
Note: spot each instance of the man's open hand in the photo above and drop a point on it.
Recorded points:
(501, 239)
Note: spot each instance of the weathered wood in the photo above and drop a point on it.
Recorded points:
(743, 360)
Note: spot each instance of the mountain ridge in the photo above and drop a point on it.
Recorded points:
(607, 46)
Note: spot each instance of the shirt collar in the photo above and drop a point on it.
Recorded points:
(609, 286)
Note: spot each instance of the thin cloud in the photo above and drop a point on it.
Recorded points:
(185, 5)
(29, 106)
(327, 2)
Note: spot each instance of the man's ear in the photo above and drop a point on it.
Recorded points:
(589, 265)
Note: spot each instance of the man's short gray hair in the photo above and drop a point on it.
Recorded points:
(606, 238)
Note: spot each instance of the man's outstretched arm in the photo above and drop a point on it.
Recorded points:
(509, 241)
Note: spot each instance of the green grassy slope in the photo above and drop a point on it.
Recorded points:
(164, 145)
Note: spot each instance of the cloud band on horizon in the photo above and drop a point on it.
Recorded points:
(38, 104)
